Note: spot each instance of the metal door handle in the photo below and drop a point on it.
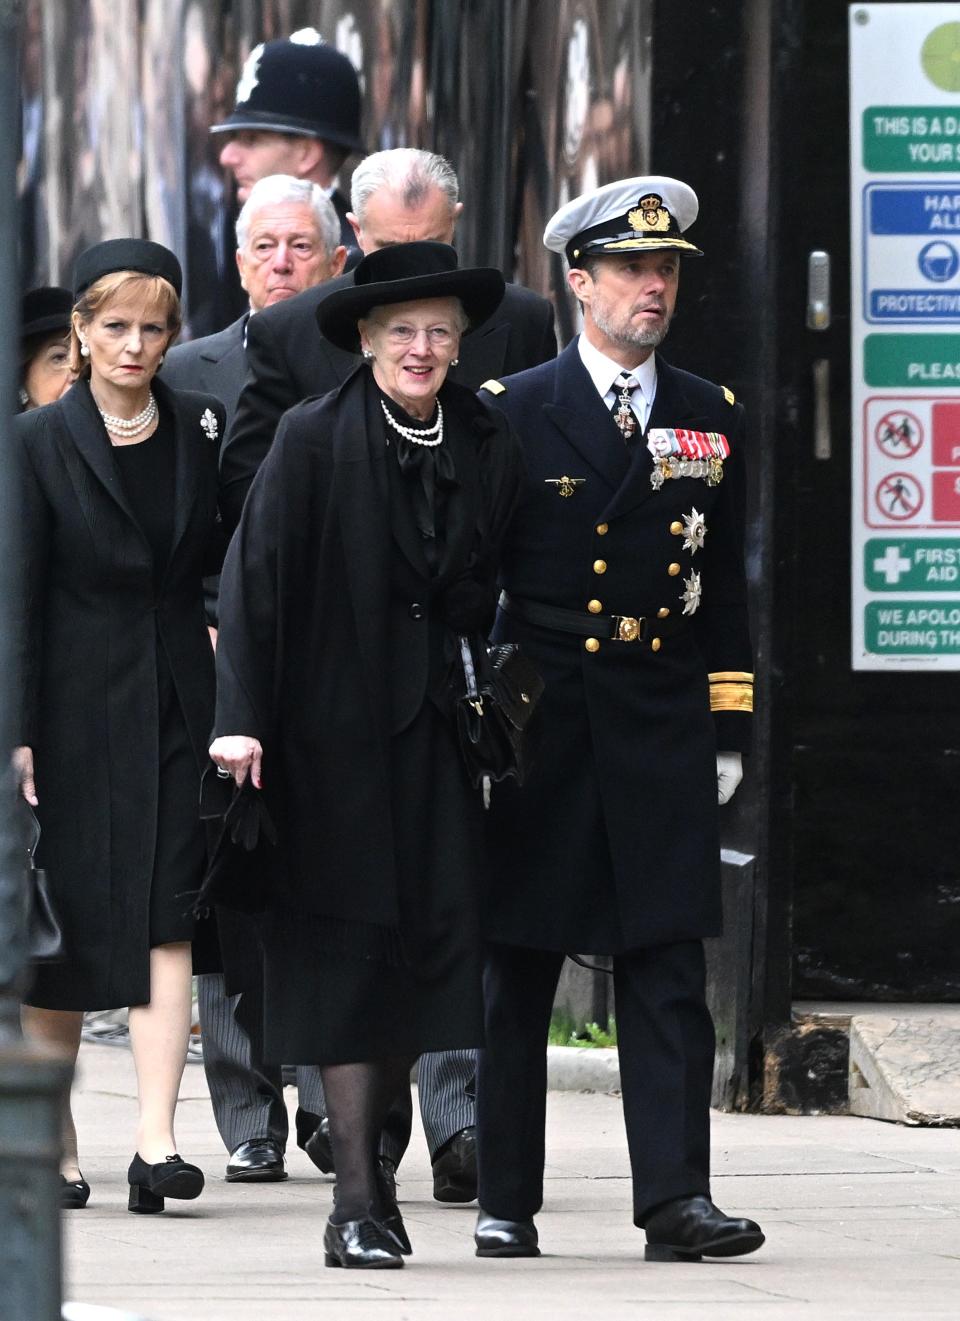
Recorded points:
(818, 291)
(821, 409)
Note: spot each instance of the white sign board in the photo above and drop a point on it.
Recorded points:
(905, 326)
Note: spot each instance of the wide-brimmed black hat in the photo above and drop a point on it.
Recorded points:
(141, 255)
(298, 85)
(45, 309)
(403, 273)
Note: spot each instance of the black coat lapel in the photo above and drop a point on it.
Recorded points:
(671, 408)
(578, 412)
(85, 430)
(464, 416)
(189, 442)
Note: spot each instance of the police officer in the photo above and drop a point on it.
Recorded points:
(297, 112)
(623, 580)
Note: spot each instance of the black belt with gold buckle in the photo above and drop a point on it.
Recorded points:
(613, 628)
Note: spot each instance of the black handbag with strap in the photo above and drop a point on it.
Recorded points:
(44, 933)
(495, 709)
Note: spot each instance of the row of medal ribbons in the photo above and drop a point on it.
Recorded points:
(665, 441)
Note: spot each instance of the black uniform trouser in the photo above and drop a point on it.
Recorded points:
(247, 1094)
(666, 1042)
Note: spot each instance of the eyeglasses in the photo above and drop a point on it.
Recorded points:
(439, 337)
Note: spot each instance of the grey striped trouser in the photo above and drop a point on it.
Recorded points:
(247, 1095)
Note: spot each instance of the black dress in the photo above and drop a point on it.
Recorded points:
(147, 474)
(423, 992)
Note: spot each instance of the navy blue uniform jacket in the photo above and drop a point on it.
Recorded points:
(613, 843)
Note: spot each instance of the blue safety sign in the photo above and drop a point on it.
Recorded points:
(911, 253)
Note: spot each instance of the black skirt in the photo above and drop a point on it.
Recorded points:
(322, 1007)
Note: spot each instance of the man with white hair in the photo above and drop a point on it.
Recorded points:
(288, 240)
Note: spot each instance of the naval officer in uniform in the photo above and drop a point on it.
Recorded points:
(623, 580)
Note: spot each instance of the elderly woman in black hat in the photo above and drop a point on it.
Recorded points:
(369, 541)
(45, 371)
(120, 523)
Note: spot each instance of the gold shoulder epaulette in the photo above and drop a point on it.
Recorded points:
(728, 394)
(494, 387)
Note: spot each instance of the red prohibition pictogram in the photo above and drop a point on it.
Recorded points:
(898, 435)
(899, 496)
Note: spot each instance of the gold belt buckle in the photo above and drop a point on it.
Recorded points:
(628, 628)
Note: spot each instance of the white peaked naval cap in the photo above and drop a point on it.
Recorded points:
(629, 215)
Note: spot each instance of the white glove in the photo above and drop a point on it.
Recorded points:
(729, 775)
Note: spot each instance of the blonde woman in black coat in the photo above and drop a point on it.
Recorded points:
(369, 541)
(120, 523)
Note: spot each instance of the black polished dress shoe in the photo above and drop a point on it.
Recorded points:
(690, 1228)
(390, 1216)
(313, 1137)
(74, 1193)
(387, 1212)
(360, 1244)
(505, 1238)
(455, 1168)
(257, 1161)
(150, 1184)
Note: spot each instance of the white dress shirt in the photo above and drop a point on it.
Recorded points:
(603, 371)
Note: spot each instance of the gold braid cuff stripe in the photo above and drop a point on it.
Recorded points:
(731, 697)
(730, 676)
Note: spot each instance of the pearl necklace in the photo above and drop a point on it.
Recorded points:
(129, 427)
(412, 433)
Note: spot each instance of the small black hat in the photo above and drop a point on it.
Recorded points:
(112, 255)
(47, 308)
(403, 273)
(298, 85)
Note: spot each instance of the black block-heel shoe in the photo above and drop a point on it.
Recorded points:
(360, 1245)
(74, 1193)
(150, 1184)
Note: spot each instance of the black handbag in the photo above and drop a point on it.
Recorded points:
(495, 710)
(44, 934)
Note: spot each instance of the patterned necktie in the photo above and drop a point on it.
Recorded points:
(623, 413)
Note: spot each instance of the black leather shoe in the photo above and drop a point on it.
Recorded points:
(74, 1193)
(689, 1228)
(390, 1216)
(360, 1244)
(387, 1211)
(455, 1168)
(150, 1184)
(317, 1144)
(505, 1238)
(257, 1161)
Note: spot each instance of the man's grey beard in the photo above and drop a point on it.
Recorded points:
(648, 337)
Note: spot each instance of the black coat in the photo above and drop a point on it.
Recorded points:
(289, 361)
(614, 842)
(90, 628)
(308, 602)
(213, 365)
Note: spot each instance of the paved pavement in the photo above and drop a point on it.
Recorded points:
(862, 1220)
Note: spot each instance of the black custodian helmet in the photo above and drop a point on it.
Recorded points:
(298, 85)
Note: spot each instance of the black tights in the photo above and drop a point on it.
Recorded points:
(358, 1098)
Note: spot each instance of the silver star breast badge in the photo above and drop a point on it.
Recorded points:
(694, 531)
(209, 424)
(691, 596)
